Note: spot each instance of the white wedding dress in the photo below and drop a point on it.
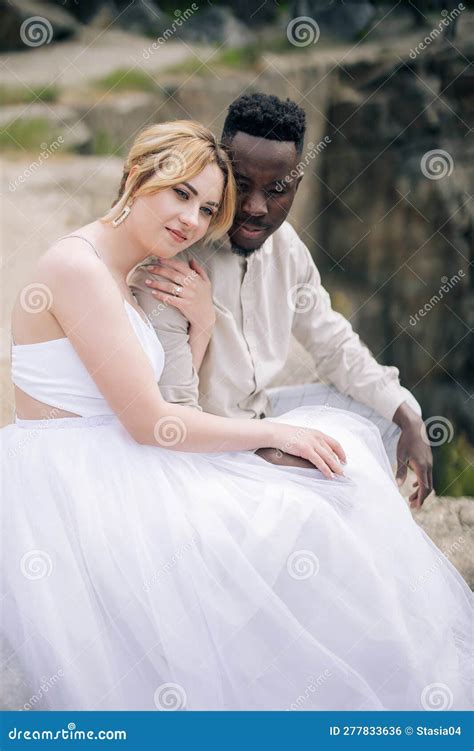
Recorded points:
(143, 578)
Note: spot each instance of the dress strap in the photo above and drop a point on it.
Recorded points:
(81, 237)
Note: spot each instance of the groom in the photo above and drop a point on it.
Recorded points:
(267, 288)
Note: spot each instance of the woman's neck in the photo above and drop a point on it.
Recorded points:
(117, 246)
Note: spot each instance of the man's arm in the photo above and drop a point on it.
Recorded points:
(179, 382)
(338, 353)
(343, 360)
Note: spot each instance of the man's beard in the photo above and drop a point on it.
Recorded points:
(243, 252)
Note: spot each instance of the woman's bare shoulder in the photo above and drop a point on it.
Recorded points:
(66, 254)
(67, 274)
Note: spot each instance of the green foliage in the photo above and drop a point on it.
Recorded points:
(240, 57)
(28, 135)
(190, 66)
(454, 468)
(27, 94)
(126, 79)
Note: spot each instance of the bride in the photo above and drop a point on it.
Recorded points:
(152, 560)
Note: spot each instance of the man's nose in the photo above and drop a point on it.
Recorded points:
(254, 203)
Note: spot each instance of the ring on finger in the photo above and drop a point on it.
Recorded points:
(177, 290)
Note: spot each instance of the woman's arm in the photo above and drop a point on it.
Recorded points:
(199, 341)
(89, 307)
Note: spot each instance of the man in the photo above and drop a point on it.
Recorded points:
(267, 288)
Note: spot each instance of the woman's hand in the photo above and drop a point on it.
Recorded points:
(319, 449)
(186, 287)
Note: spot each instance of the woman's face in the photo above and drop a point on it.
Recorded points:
(173, 219)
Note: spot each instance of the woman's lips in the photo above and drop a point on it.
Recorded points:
(175, 235)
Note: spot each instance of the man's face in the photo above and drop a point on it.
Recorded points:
(266, 188)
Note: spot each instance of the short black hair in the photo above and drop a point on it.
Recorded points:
(266, 116)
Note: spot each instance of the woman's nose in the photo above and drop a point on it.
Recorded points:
(190, 217)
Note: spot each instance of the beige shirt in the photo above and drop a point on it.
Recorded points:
(260, 303)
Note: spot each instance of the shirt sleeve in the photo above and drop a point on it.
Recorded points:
(179, 381)
(338, 353)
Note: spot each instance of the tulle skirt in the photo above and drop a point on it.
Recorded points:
(142, 578)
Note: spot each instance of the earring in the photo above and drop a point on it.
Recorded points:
(122, 216)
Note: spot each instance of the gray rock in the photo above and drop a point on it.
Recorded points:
(216, 25)
(119, 118)
(343, 20)
(140, 17)
(83, 11)
(28, 24)
(391, 130)
(252, 13)
(449, 522)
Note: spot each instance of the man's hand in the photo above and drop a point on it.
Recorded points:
(414, 450)
(282, 459)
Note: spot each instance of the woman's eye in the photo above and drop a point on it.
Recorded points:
(207, 210)
(181, 193)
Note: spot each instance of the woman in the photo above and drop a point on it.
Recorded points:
(151, 560)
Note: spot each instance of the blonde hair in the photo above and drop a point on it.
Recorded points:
(170, 153)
